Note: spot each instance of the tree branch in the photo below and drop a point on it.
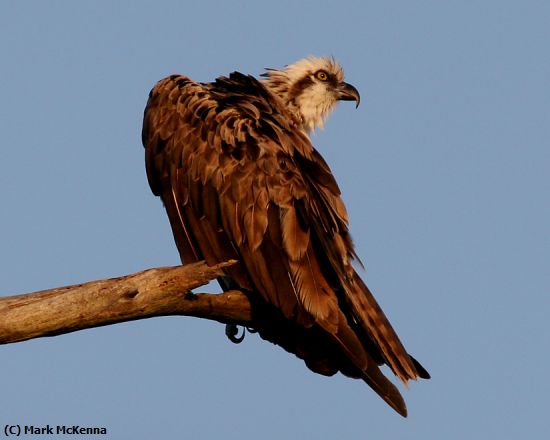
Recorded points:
(154, 292)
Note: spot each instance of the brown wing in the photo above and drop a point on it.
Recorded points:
(240, 181)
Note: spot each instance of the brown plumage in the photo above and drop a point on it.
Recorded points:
(240, 179)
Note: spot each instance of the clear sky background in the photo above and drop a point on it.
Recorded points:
(444, 168)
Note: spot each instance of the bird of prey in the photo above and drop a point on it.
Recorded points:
(234, 165)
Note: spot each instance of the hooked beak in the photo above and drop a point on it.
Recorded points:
(346, 92)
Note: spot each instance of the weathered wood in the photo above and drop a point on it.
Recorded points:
(154, 292)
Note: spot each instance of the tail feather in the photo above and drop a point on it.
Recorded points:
(373, 320)
(352, 347)
(422, 372)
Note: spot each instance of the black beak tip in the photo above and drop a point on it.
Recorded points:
(349, 93)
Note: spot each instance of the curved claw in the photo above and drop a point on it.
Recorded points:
(231, 331)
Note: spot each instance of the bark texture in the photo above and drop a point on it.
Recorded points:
(161, 291)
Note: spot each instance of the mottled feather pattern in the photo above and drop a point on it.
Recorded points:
(240, 179)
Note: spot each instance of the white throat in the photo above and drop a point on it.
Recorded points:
(314, 106)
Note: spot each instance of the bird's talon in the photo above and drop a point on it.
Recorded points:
(231, 331)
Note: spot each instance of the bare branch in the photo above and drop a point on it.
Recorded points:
(154, 292)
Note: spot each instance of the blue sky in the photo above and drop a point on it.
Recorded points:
(444, 169)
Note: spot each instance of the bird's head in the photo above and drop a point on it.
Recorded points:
(311, 87)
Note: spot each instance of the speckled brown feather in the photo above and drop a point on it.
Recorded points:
(240, 179)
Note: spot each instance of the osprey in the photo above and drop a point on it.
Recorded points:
(240, 179)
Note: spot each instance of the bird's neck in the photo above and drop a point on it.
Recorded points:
(308, 106)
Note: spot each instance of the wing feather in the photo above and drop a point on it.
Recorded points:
(295, 235)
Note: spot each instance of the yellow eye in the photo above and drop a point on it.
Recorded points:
(321, 75)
